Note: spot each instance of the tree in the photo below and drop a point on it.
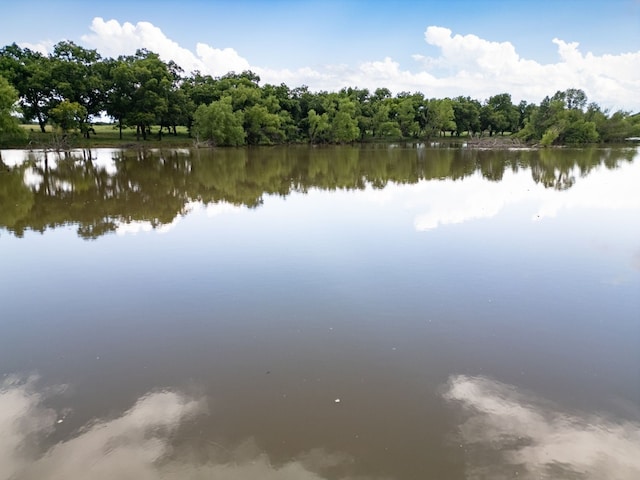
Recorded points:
(177, 102)
(466, 115)
(9, 128)
(382, 126)
(441, 115)
(152, 82)
(30, 74)
(77, 77)
(344, 125)
(573, 98)
(218, 124)
(579, 131)
(119, 89)
(261, 126)
(68, 116)
(499, 115)
(318, 126)
(406, 114)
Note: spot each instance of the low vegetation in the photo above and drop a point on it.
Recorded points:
(62, 97)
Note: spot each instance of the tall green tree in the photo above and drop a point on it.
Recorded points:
(406, 113)
(69, 116)
(442, 115)
(120, 86)
(466, 115)
(30, 74)
(218, 124)
(499, 114)
(78, 78)
(9, 128)
(152, 82)
(319, 127)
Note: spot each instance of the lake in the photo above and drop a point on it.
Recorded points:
(401, 311)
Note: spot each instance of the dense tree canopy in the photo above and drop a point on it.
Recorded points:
(9, 127)
(73, 86)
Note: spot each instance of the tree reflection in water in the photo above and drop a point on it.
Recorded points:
(83, 188)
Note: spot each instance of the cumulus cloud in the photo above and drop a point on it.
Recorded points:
(44, 47)
(112, 39)
(466, 65)
(217, 61)
(508, 434)
(134, 445)
(482, 66)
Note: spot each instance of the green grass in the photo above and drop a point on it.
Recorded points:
(104, 136)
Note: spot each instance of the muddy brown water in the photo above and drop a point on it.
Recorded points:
(402, 312)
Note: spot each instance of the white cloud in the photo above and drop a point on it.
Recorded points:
(112, 39)
(467, 65)
(217, 61)
(484, 67)
(508, 433)
(44, 47)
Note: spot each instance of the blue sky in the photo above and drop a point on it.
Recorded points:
(501, 45)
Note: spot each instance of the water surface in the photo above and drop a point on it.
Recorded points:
(400, 312)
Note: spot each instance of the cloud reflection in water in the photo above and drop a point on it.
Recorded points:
(507, 433)
(504, 433)
(135, 445)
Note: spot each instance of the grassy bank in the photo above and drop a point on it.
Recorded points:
(103, 136)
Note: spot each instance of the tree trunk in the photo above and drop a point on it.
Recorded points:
(120, 127)
(42, 123)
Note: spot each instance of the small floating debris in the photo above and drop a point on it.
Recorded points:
(337, 400)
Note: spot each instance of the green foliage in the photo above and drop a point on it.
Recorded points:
(405, 114)
(318, 127)
(10, 130)
(466, 115)
(218, 124)
(441, 116)
(262, 127)
(499, 115)
(549, 137)
(72, 85)
(580, 131)
(30, 74)
(68, 116)
(344, 126)
(77, 78)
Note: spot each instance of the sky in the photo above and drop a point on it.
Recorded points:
(475, 48)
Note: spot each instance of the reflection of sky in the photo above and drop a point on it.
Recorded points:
(102, 159)
(446, 202)
(551, 305)
(135, 444)
(194, 208)
(503, 432)
(508, 434)
(436, 203)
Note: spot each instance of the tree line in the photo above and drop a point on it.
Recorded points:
(73, 86)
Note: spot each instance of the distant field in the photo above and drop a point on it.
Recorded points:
(106, 135)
